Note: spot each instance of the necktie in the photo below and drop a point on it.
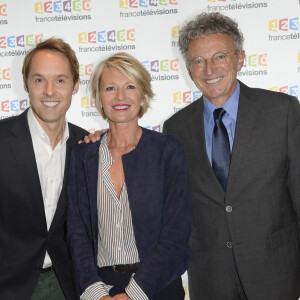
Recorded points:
(220, 148)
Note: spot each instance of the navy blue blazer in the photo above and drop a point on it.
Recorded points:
(159, 196)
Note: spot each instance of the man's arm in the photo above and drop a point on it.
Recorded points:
(294, 156)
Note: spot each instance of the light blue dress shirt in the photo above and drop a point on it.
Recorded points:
(229, 119)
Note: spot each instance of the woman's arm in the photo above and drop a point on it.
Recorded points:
(171, 255)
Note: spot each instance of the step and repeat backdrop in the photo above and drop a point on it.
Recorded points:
(149, 30)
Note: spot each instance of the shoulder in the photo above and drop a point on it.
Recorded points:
(77, 131)
(9, 123)
(83, 151)
(155, 141)
(268, 98)
(185, 112)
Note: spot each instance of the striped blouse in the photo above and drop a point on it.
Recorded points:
(116, 241)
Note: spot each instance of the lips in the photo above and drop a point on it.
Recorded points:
(50, 104)
(121, 106)
(214, 80)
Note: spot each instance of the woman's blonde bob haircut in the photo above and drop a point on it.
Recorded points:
(129, 67)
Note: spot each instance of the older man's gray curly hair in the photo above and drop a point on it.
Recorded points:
(206, 24)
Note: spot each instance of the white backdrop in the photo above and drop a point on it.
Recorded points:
(148, 29)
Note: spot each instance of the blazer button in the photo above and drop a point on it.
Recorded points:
(229, 244)
(228, 208)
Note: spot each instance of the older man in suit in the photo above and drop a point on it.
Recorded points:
(35, 147)
(243, 149)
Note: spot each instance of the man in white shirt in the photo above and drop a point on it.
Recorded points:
(35, 262)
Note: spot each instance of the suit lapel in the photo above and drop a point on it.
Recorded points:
(247, 114)
(22, 148)
(198, 143)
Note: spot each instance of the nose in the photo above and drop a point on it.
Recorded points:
(120, 94)
(209, 66)
(49, 88)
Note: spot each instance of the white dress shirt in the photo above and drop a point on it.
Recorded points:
(50, 165)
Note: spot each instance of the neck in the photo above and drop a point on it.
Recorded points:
(53, 130)
(122, 136)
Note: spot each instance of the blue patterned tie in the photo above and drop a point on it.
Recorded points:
(220, 148)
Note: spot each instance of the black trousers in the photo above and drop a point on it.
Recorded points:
(174, 291)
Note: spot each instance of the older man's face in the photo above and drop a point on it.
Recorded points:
(216, 79)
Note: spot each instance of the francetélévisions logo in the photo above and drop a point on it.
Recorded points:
(11, 43)
(107, 40)
(292, 90)
(85, 72)
(255, 65)
(225, 5)
(62, 11)
(3, 14)
(284, 29)
(13, 107)
(162, 70)
(183, 98)
(5, 78)
(144, 8)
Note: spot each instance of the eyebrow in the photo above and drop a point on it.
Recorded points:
(43, 75)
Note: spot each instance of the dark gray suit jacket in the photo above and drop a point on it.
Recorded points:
(253, 227)
(24, 238)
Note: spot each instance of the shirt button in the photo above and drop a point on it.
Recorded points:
(229, 244)
(228, 208)
(119, 248)
(118, 225)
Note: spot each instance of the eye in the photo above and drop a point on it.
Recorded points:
(131, 87)
(199, 61)
(61, 81)
(219, 57)
(110, 88)
(38, 80)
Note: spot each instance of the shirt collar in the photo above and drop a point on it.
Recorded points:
(231, 105)
(37, 130)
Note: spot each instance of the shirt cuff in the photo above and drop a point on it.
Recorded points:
(134, 291)
(96, 291)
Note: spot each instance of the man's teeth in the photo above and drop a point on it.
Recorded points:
(213, 80)
(50, 103)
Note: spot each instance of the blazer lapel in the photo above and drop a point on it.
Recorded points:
(91, 166)
(22, 148)
(247, 114)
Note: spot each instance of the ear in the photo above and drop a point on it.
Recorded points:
(143, 100)
(76, 87)
(241, 60)
(25, 86)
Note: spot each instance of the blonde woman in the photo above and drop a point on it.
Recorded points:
(129, 196)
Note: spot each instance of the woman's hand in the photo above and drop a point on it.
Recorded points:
(122, 296)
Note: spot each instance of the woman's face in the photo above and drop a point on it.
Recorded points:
(120, 98)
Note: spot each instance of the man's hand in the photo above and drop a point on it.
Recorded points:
(106, 298)
(122, 296)
(93, 137)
